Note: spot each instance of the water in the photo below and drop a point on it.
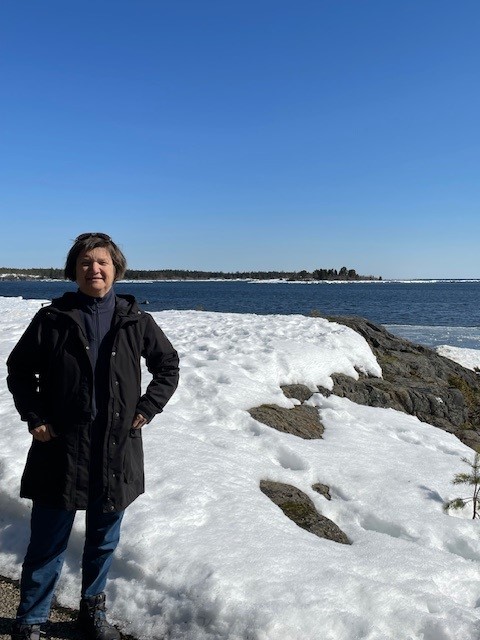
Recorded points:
(430, 312)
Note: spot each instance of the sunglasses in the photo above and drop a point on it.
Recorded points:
(84, 236)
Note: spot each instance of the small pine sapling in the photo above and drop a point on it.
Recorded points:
(472, 479)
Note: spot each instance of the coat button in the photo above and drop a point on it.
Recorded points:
(114, 353)
(87, 347)
(117, 415)
(116, 382)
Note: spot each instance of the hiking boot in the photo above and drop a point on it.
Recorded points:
(22, 631)
(93, 621)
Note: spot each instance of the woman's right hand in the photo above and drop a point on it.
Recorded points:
(43, 433)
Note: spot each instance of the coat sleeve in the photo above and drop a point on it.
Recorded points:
(162, 362)
(24, 365)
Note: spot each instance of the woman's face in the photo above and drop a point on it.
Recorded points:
(95, 273)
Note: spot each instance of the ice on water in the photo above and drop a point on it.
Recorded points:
(205, 555)
(435, 336)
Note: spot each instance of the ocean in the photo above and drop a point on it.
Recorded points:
(430, 312)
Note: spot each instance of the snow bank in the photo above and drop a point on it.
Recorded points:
(468, 358)
(205, 555)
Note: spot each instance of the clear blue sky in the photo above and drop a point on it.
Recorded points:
(243, 134)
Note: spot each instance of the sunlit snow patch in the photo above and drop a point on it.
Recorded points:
(205, 555)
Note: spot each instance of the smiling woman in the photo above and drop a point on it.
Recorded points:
(95, 272)
(75, 376)
(90, 262)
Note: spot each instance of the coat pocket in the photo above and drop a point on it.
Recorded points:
(46, 468)
(133, 471)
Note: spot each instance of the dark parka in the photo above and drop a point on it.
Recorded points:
(51, 378)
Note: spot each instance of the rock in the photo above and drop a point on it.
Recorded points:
(416, 380)
(297, 506)
(471, 439)
(62, 623)
(323, 489)
(298, 391)
(302, 421)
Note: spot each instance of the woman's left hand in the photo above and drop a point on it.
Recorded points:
(139, 421)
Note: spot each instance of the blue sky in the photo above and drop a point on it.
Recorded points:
(243, 134)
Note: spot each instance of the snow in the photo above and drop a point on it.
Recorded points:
(468, 358)
(382, 281)
(205, 555)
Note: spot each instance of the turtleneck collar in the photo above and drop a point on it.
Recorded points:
(89, 301)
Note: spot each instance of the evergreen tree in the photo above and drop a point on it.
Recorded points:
(473, 480)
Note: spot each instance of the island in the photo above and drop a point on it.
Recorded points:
(342, 274)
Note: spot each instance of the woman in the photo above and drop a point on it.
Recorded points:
(75, 378)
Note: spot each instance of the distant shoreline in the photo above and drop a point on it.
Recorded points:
(30, 278)
(22, 278)
(341, 275)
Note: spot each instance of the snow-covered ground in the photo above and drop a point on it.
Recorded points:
(205, 555)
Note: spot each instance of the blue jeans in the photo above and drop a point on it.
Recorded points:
(50, 530)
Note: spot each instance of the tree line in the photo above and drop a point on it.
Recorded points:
(53, 273)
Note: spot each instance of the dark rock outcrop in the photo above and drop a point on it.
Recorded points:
(323, 489)
(297, 506)
(298, 391)
(302, 420)
(416, 380)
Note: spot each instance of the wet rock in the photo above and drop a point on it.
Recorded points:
(416, 380)
(302, 421)
(297, 506)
